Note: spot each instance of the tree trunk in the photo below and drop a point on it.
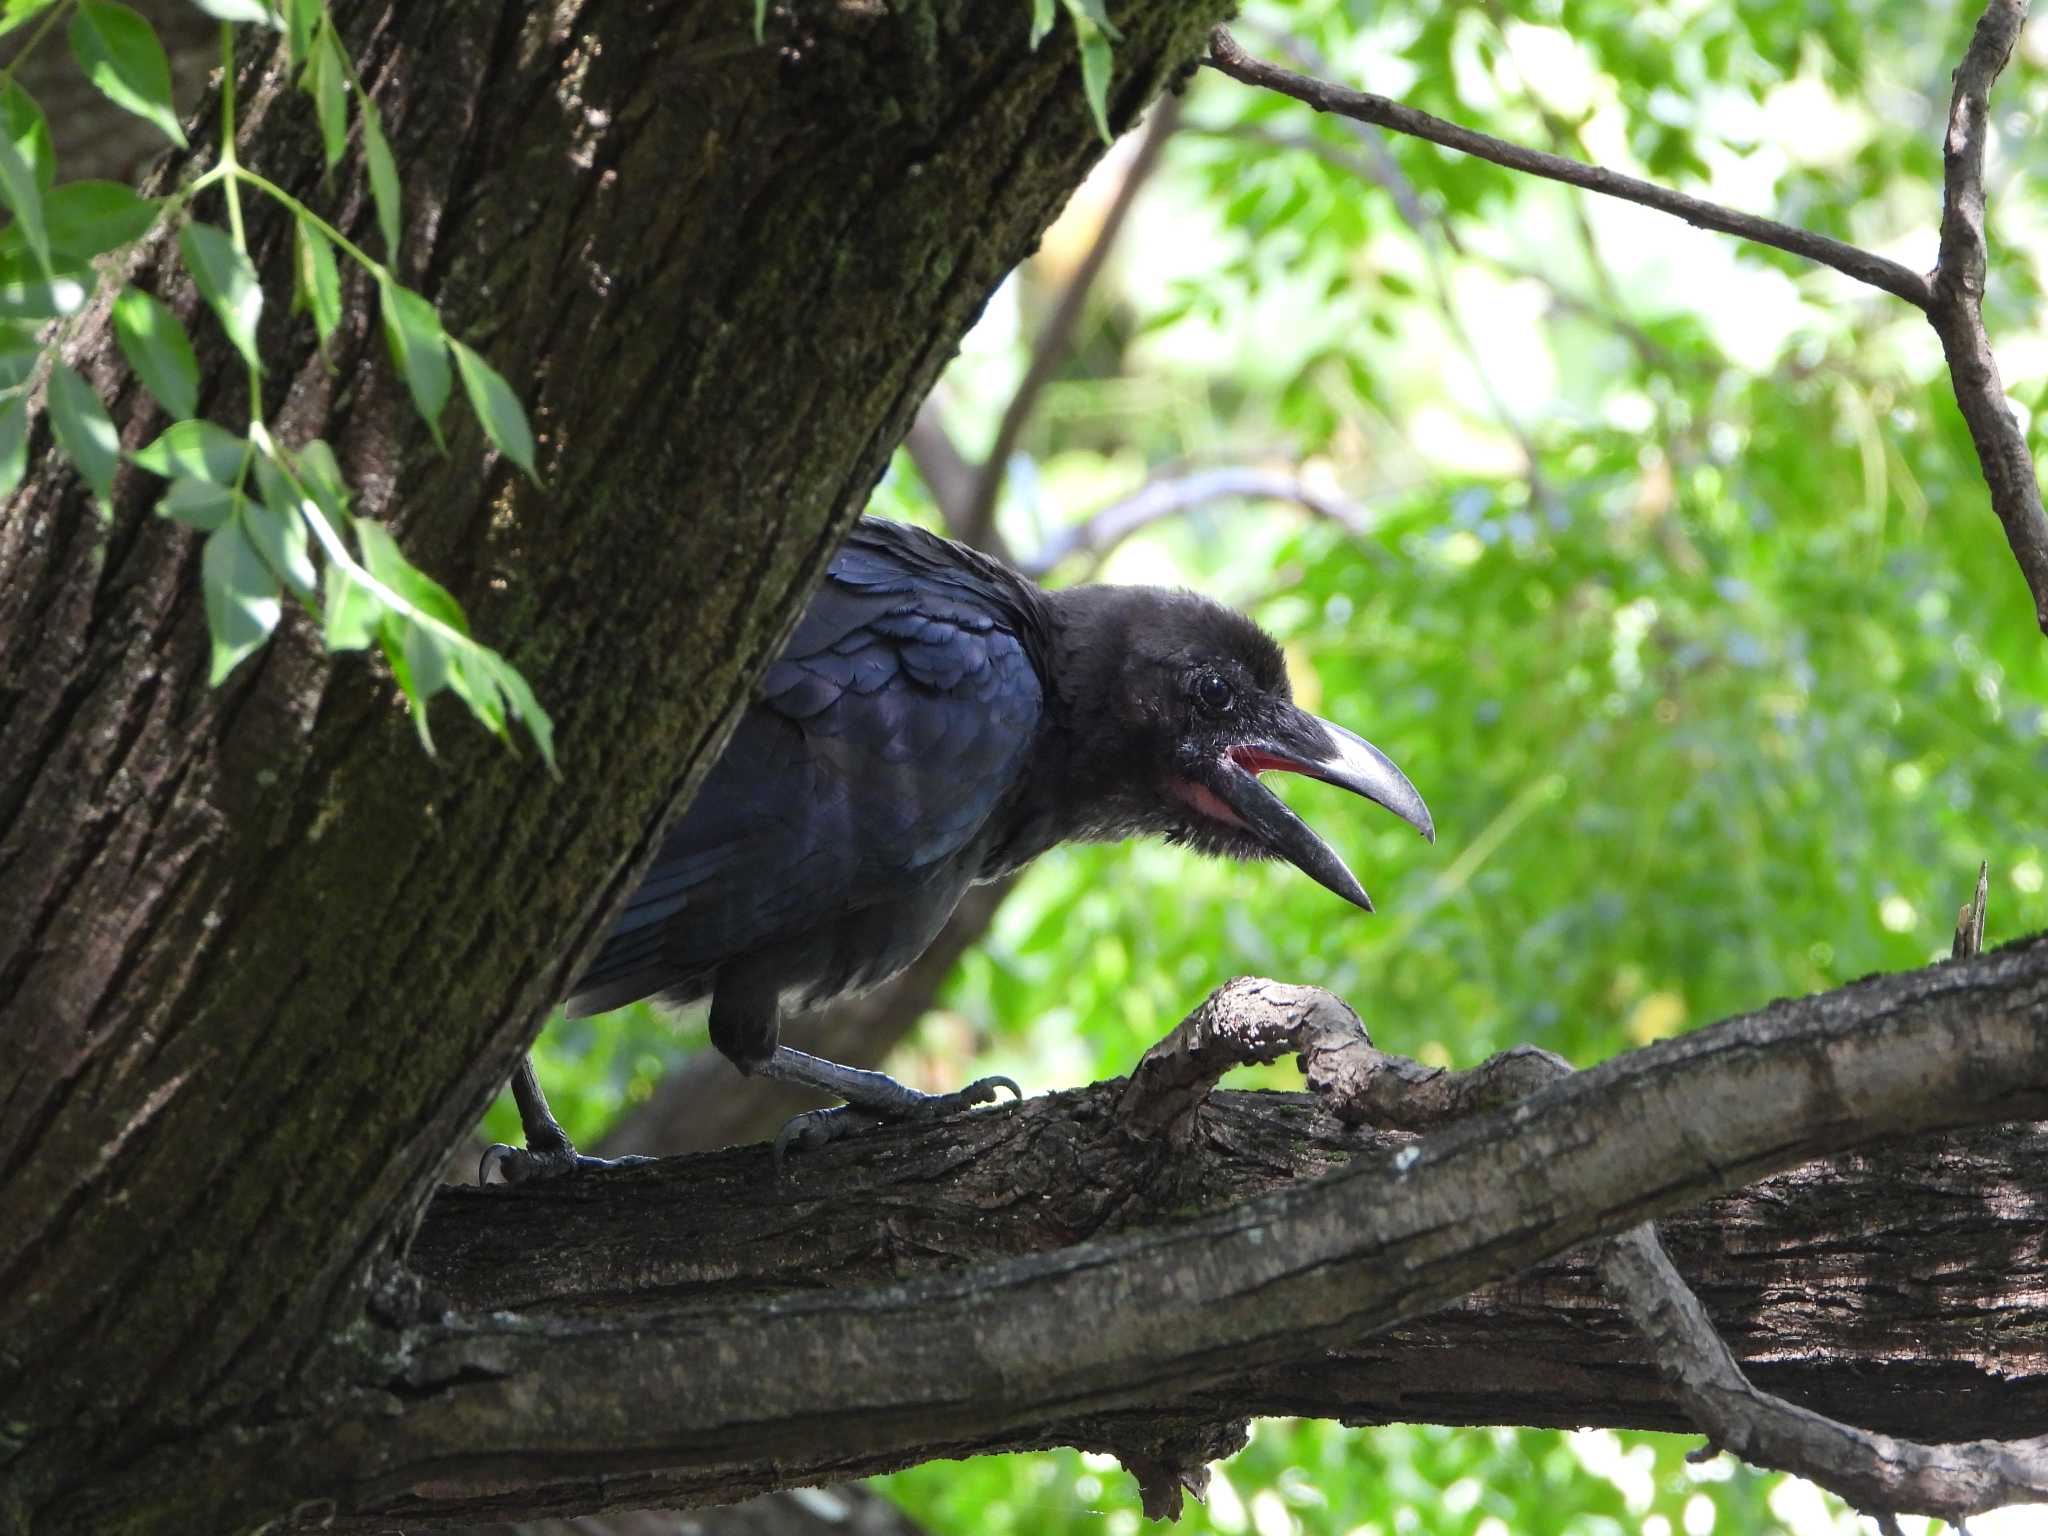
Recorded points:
(262, 961)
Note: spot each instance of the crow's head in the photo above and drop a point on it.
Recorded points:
(1177, 705)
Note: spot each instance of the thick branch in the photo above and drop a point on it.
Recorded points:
(746, 1393)
(1227, 57)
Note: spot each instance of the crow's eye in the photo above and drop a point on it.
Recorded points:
(1214, 694)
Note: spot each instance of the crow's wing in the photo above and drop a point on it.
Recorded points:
(895, 723)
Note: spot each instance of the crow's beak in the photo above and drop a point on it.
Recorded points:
(1303, 744)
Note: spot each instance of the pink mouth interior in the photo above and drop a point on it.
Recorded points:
(1206, 800)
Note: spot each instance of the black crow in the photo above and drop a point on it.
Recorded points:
(938, 720)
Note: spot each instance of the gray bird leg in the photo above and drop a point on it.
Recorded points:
(548, 1152)
(871, 1097)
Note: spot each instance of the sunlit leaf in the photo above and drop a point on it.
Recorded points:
(227, 281)
(23, 195)
(120, 54)
(250, 11)
(383, 170)
(420, 349)
(21, 120)
(316, 281)
(199, 504)
(242, 603)
(1095, 68)
(13, 442)
(503, 418)
(19, 13)
(86, 218)
(85, 432)
(154, 342)
(197, 449)
(328, 79)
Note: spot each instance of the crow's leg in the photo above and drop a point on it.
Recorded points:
(746, 1025)
(548, 1151)
(871, 1097)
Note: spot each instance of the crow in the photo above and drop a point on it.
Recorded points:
(937, 720)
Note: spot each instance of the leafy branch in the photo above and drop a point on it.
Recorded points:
(262, 507)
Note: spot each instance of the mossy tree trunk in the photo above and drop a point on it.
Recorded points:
(262, 961)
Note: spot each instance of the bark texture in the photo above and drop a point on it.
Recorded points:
(261, 960)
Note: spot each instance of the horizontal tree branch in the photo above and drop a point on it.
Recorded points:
(1227, 57)
(645, 1399)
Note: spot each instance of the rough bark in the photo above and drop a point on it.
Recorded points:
(262, 961)
(1900, 1288)
(1151, 1342)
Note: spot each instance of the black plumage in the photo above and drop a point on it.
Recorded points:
(937, 720)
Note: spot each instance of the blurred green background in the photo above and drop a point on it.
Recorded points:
(1673, 586)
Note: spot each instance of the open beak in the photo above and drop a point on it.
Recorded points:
(1303, 744)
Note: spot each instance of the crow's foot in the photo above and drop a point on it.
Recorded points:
(816, 1127)
(516, 1165)
(548, 1153)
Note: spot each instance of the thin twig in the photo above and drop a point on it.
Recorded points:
(1227, 57)
(1161, 499)
(1957, 299)
(1051, 347)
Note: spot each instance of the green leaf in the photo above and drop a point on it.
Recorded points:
(420, 349)
(18, 356)
(198, 503)
(39, 298)
(322, 477)
(22, 121)
(383, 559)
(760, 20)
(1094, 11)
(159, 351)
(383, 176)
(227, 281)
(328, 81)
(353, 613)
(242, 606)
(1095, 80)
(19, 13)
(119, 53)
(252, 11)
(277, 529)
(1042, 18)
(195, 448)
(23, 195)
(87, 218)
(316, 281)
(302, 20)
(85, 432)
(13, 442)
(497, 408)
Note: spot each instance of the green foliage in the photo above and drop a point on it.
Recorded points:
(263, 507)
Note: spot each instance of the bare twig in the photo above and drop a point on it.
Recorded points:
(1227, 57)
(1161, 499)
(1957, 299)
(1969, 938)
(1052, 343)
